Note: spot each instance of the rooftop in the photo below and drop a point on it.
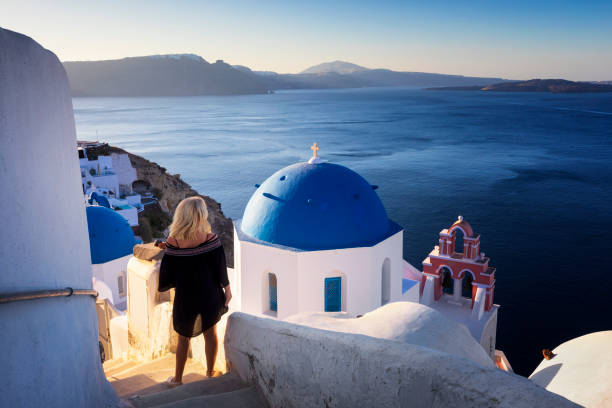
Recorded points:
(462, 313)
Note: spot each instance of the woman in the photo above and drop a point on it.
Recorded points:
(194, 264)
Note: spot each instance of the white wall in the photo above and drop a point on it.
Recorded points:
(126, 174)
(108, 272)
(297, 366)
(489, 335)
(131, 215)
(255, 264)
(108, 181)
(50, 349)
(134, 199)
(106, 164)
(301, 276)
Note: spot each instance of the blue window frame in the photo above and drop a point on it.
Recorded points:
(272, 292)
(333, 291)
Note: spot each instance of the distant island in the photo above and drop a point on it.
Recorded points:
(189, 74)
(159, 75)
(536, 85)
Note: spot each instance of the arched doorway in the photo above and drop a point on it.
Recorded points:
(385, 287)
(466, 286)
(447, 281)
(141, 186)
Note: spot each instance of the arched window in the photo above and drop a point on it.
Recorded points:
(121, 284)
(447, 281)
(466, 287)
(458, 233)
(272, 292)
(385, 287)
(333, 294)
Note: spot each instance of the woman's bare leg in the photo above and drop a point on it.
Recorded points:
(210, 348)
(182, 348)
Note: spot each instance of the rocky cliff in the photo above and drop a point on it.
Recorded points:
(170, 189)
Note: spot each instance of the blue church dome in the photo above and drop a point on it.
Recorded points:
(315, 207)
(110, 235)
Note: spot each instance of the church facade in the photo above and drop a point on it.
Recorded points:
(316, 237)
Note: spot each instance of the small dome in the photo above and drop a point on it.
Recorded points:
(110, 235)
(316, 206)
(580, 370)
(464, 225)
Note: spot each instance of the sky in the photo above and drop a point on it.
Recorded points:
(509, 39)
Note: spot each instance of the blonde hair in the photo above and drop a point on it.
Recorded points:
(190, 219)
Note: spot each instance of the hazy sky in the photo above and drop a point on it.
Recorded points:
(510, 39)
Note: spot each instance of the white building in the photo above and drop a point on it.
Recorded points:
(316, 237)
(98, 172)
(111, 242)
(50, 354)
(111, 177)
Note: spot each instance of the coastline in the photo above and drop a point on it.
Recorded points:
(170, 189)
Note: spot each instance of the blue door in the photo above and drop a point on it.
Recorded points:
(332, 294)
(272, 292)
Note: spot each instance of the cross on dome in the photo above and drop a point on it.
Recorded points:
(315, 158)
(315, 148)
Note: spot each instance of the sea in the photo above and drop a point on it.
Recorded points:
(531, 172)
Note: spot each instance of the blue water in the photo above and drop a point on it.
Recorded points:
(532, 173)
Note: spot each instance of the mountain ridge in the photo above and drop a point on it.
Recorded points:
(159, 75)
(340, 67)
(190, 75)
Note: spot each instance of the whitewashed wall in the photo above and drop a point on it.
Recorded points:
(107, 181)
(126, 174)
(295, 366)
(131, 216)
(50, 354)
(301, 276)
(489, 336)
(108, 272)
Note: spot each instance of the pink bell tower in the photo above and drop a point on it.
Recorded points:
(460, 265)
(458, 281)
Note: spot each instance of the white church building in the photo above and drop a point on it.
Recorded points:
(316, 237)
(111, 242)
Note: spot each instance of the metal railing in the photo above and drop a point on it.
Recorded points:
(41, 294)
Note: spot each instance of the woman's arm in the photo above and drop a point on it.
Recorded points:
(166, 274)
(228, 294)
(222, 269)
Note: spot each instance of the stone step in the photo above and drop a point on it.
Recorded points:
(149, 377)
(124, 365)
(143, 367)
(243, 398)
(109, 364)
(212, 386)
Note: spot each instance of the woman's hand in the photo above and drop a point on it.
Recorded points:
(228, 294)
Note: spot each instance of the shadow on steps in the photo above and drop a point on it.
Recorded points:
(224, 391)
(243, 398)
(141, 385)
